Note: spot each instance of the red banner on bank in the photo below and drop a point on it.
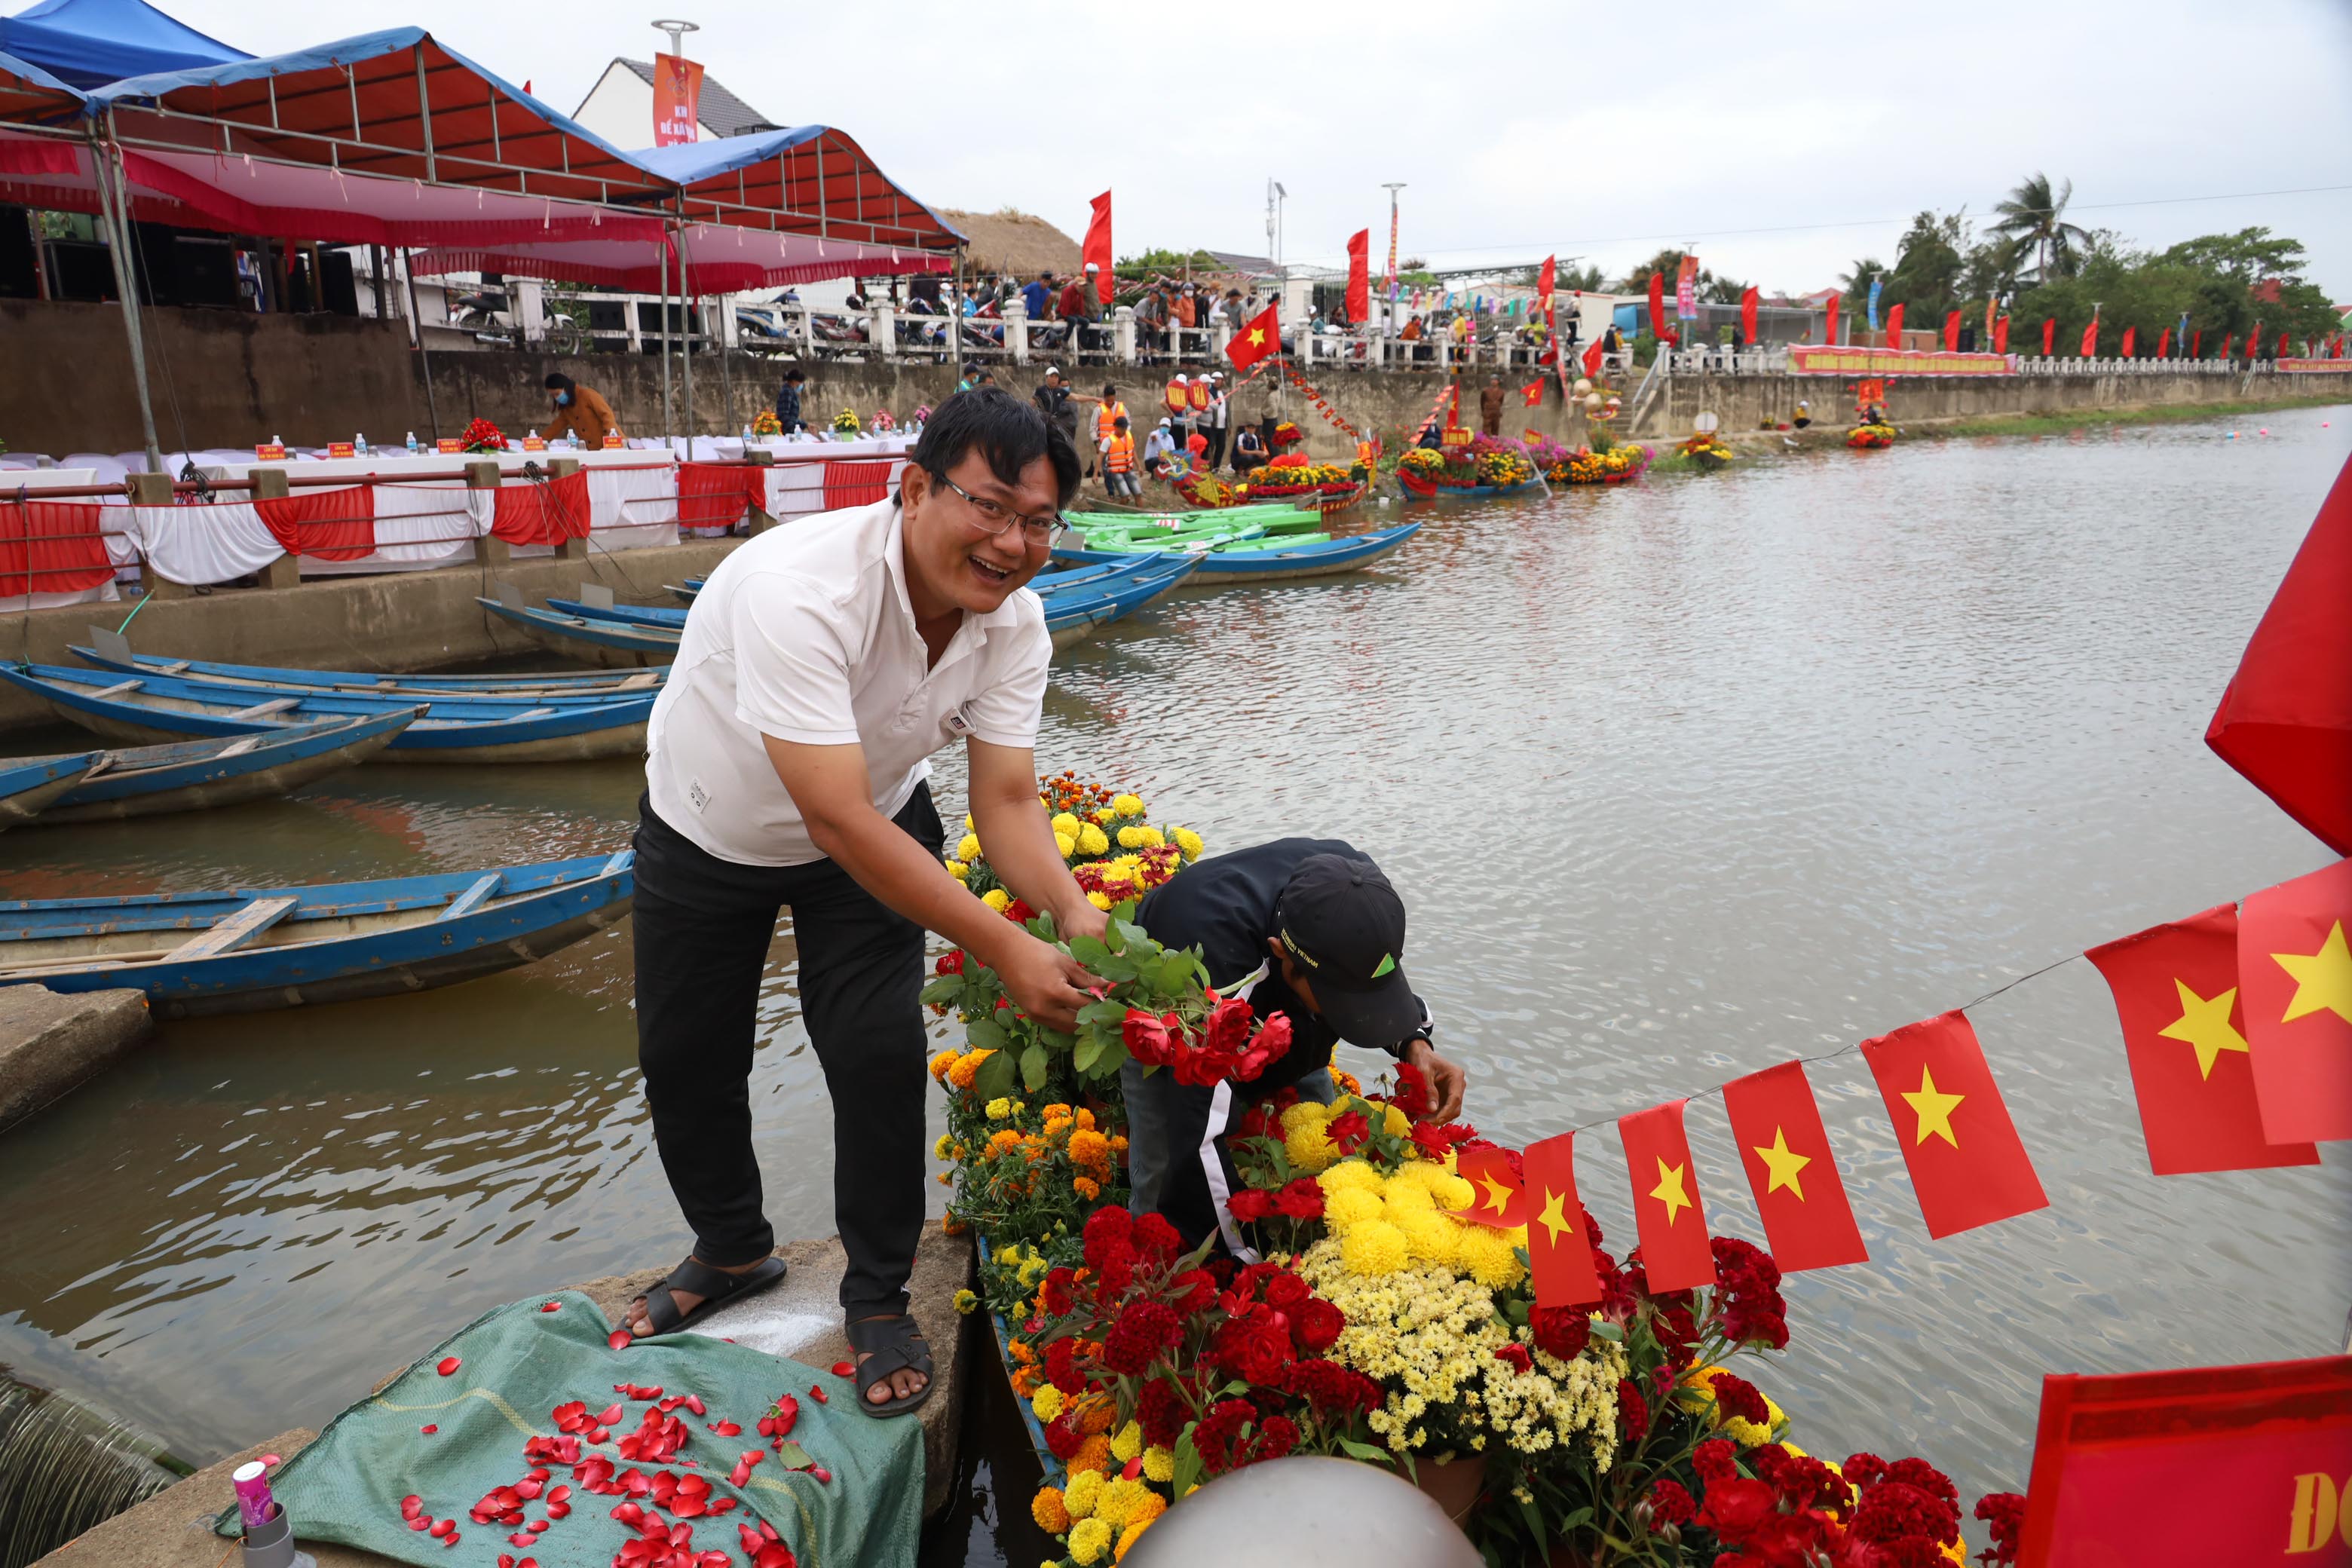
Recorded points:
(2304, 366)
(2242, 1465)
(1823, 359)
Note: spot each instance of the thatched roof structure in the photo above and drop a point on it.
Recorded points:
(1014, 242)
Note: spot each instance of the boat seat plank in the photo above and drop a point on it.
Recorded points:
(618, 863)
(119, 688)
(484, 888)
(177, 667)
(236, 930)
(238, 748)
(259, 709)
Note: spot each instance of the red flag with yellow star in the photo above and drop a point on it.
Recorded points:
(1674, 1251)
(1560, 1254)
(2177, 997)
(1795, 1176)
(2295, 964)
(1968, 1165)
(1501, 1202)
(1260, 337)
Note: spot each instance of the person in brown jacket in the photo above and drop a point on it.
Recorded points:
(578, 409)
(1490, 406)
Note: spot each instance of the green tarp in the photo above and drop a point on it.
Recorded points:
(516, 1364)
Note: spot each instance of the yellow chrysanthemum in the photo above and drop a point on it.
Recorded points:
(1065, 845)
(1430, 1238)
(1127, 806)
(1488, 1255)
(1131, 838)
(1349, 1176)
(1127, 1442)
(1046, 1509)
(1048, 1404)
(1100, 901)
(968, 848)
(1083, 1492)
(1093, 840)
(1159, 1465)
(1374, 1249)
(1152, 838)
(1189, 842)
(1309, 1147)
(1120, 1501)
(958, 871)
(1396, 1123)
(1000, 1107)
(996, 899)
(1089, 1539)
(1350, 1207)
(1064, 826)
(965, 1301)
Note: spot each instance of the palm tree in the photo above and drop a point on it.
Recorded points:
(2032, 215)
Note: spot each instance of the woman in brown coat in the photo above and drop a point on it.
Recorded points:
(579, 410)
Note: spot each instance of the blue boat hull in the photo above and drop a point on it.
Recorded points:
(371, 939)
(1075, 614)
(611, 645)
(28, 786)
(1350, 554)
(568, 686)
(192, 776)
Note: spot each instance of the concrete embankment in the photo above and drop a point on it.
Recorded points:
(50, 1042)
(396, 623)
(800, 1319)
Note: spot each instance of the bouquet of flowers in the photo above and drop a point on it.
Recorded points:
(882, 424)
(1504, 468)
(482, 436)
(922, 414)
(1870, 436)
(1707, 451)
(1422, 461)
(767, 424)
(846, 423)
(1287, 436)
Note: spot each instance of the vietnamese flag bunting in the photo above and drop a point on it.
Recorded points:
(1501, 1198)
(1359, 275)
(2227, 339)
(2297, 967)
(1261, 336)
(1831, 329)
(1676, 1253)
(2197, 343)
(1790, 1166)
(1560, 1253)
(1658, 327)
(2090, 337)
(1097, 246)
(2254, 341)
(2285, 719)
(2176, 989)
(1952, 332)
(1968, 1165)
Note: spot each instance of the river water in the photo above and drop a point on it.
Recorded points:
(1678, 780)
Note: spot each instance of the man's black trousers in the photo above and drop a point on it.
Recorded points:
(703, 926)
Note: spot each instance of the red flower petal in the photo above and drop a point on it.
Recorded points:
(559, 1494)
(442, 1527)
(451, 1538)
(422, 1521)
(271, 1459)
(818, 1395)
(824, 1476)
(727, 1430)
(844, 1369)
(449, 1364)
(617, 1340)
(694, 1402)
(550, 1306)
(506, 1560)
(535, 1526)
(519, 1539)
(526, 1490)
(721, 1505)
(410, 1506)
(428, 1429)
(1133, 1469)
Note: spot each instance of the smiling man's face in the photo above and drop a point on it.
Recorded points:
(952, 563)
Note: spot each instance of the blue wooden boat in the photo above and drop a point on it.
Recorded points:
(189, 775)
(661, 617)
(1075, 612)
(1426, 490)
(611, 645)
(27, 784)
(1283, 564)
(592, 685)
(686, 589)
(241, 951)
(474, 730)
(1046, 584)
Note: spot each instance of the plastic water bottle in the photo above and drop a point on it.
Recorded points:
(746, 435)
(360, 445)
(412, 443)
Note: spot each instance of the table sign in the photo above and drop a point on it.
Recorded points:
(534, 442)
(612, 440)
(341, 449)
(270, 451)
(448, 444)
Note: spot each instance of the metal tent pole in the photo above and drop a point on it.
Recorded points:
(955, 316)
(670, 415)
(117, 243)
(424, 355)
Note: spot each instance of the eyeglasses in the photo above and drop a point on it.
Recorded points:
(992, 518)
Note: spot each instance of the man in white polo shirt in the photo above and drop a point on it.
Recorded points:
(821, 665)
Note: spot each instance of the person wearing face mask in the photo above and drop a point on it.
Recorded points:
(579, 410)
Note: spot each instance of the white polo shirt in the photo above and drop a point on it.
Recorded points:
(806, 633)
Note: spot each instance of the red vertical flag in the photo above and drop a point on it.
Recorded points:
(2164, 344)
(1501, 1200)
(2285, 718)
(2090, 337)
(1259, 337)
(1832, 326)
(1749, 299)
(1547, 279)
(2176, 990)
(1895, 327)
(1097, 246)
(2049, 336)
(2131, 335)
(1658, 327)
(1593, 358)
(1968, 1165)
(2197, 343)
(2254, 341)
(1787, 1154)
(1359, 275)
(1952, 332)
(2297, 967)
(2227, 339)
(1675, 1250)
(2000, 336)
(1560, 1254)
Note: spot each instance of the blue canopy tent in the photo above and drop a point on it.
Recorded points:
(88, 42)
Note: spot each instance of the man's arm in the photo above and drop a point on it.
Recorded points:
(830, 788)
(1019, 839)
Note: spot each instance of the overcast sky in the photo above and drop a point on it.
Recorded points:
(1780, 141)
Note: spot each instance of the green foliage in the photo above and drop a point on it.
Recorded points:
(2220, 280)
(1161, 260)
(2031, 220)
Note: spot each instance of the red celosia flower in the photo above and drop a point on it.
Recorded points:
(1198, 1290)
(2004, 1513)
(1152, 1236)
(1892, 1511)
(1863, 1469)
(1215, 1436)
(1160, 1411)
(1670, 1502)
(1633, 1410)
(1713, 1461)
(1056, 1291)
(1317, 1323)
(1562, 1331)
(1062, 1366)
(1330, 1389)
(1276, 1436)
(1143, 1330)
(1062, 1438)
(1736, 1398)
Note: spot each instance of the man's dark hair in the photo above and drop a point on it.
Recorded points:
(796, 375)
(1110, 391)
(558, 382)
(1007, 433)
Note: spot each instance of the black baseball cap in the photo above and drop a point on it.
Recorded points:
(1342, 923)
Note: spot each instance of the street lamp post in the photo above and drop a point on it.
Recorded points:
(1388, 281)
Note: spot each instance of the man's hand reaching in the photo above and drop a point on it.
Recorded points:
(1045, 983)
(1447, 1081)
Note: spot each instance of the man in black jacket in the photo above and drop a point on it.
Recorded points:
(1314, 930)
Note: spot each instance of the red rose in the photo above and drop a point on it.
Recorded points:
(1286, 1290)
(1227, 1028)
(1146, 1038)
(1250, 1204)
(1735, 1507)
(1317, 1323)
(1562, 1331)
(1251, 1345)
(1516, 1355)
(950, 963)
(1348, 1131)
(1273, 1038)
(1301, 1198)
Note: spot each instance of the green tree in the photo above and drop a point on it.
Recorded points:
(2034, 214)
(1928, 266)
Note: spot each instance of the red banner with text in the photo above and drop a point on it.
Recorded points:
(1823, 359)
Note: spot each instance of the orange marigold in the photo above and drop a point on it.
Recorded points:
(1090, 1152)
(953, 1225)
(1349, 1082)
(1085, 1118)
(966, 1065)
(1149, 1510)
(1003, 1141)
(1086, 1187)
(1053, 1516)
(1054, 1110)
(1094, 1454)
(941, 1063)
(1097, 1414)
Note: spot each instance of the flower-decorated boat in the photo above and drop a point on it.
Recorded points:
(1870, 438)
(1389, 1316)
(1482, 470)
(1614, 465)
